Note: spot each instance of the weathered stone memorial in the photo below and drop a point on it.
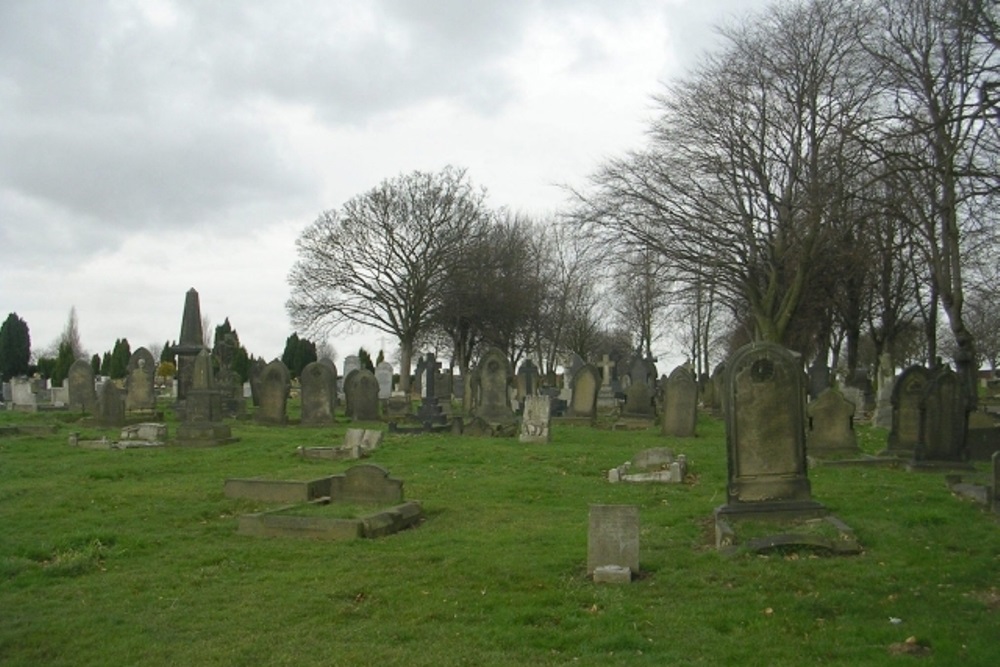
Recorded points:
(586, 383)
(364, 403)
(202, 425)
(383, 373)
(907, 394)
(110, 405)
(190, 343)
(272, 391)
(318, 393)
(831, 426)
(494, 378)
(311, 504)
(641, 389)
(657, 465)
(80, 382)
(680, 404)
(943, 424)
(768, 489)
(536, 421)
(139, 391)
(351, 363)
(613, 543)
(358, 444)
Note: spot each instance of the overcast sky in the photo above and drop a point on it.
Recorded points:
(147, 147)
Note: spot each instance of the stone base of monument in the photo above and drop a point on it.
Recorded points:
(656, 465)
(203, 434)
(917, 465)
(363, 502)
(612, 574)
(862, 461)
(358, 444)
(307, 521)
(413, 424)
(766, 526)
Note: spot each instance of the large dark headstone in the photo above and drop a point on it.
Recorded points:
(272, 390)
(318, 392)
(494, 377)
(364, 397)
(943, 420)
(907, 394)
(680, 404)
(80, 385)
(765, 433)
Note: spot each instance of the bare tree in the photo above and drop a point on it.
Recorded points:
(382, 260)
(641, 292)
(936, 67)
(746, 164)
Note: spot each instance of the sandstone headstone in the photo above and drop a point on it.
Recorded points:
(831, 426)
(272, 391)
(586, 383)
(383, 374)
(613, 537)
(80, 381)
(110, 405)
(139, 392)
(907, 394)
(765, 432)
(364, 401)
(537, 419)
(680, 404)
(318, 393)
(494, 377)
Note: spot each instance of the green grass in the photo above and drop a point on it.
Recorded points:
(132, 557)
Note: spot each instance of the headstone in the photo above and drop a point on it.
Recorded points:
(819, 378)
(364, 397)
(765, 433)
(383, 374)
(190, 343)
(641, 389)
(943, 419)
(606, 393)
(348, 387)
(527, 379)
(680, 404)
(831, 426)
(586, 383)
(536, 420)
(80, 380)
(907, 393)
(613, 537)
(719, 390)
(202, 423)
(139, 392)
(110, 405)
(272, 389)
(256, 369)
(318, 393)
(351, 363)
(22, 394)
(494, 377)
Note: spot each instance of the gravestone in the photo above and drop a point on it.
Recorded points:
(444, 382)
(22, 394)
(364, 397)
(139, 392)
(189, 344)
(606, 399)
(831, 426)
(943, 420)
(586, 383)
(110, 405)
(494, 378)
(765, 433)
(536, 420)
(680, 404)
(257, 367)
(349, 389)
(351, 363)
(272, 390)
(718, 380)
(202, 425)
(983, 437)
(227, 381)
(613, 538)
(819, 378)
(907, 394)
(318, 393)
(430, 411)
(80, 381)
(641, 388)
(383, 374)
(527, 379)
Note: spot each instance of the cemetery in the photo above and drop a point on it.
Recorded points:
(516, 541)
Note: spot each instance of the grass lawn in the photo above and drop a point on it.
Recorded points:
(129, 557)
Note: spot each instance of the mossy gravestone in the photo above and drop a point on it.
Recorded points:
(831, 426)
(680, 404)
(272, 389)
(494, 378)
(613, 538)
(907, 393)
(364, 396)
(80, 381)
(943, 420)
(318, 391)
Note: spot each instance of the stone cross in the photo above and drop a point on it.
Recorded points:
(606, 366)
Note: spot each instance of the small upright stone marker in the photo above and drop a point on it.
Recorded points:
(536, 420)
(613, 538)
